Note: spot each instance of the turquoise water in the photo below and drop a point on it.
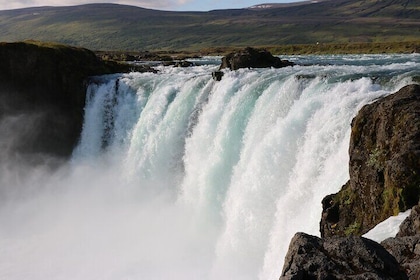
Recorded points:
(179, 176)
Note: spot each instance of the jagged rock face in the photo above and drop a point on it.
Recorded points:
(42, 95)
(252, 58)
(411, 225)
(310, 257)
(406, 251)
(405, 247)
(384, 166)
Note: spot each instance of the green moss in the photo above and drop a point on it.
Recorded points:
(410, 196)
(391, 201)
(352, 229)
(346, 196)
(376, 159)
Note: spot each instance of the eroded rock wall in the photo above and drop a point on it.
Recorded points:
(384, 166)
(384, 180)
(42, 96)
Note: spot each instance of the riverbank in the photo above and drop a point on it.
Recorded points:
(297, 49)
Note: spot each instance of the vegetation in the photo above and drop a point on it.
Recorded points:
(353, 229)
(354, 48)
(330, 26)
(376, 159)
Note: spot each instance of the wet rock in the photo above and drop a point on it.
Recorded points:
(384, 180)
(217, 75)
(181, 63)
(352, 257)
(44, 85)
(406, 251)
(384, 166)
(252, 58)
(411, 225)
(405, 247)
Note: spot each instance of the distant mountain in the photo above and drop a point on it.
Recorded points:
(283, 5)
(120, 27)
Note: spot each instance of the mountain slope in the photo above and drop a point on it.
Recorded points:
(110, 26)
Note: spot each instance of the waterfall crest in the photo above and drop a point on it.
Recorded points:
(177, 175)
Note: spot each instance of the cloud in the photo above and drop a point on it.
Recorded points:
(152, 4)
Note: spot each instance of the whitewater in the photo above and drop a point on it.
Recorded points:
(179, 176)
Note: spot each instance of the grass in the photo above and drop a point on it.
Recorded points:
(303, 49)
(285, 30)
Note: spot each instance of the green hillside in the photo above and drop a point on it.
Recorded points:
(119, 27)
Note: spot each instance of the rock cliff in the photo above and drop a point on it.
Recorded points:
(355, 257)
(384, 166)
(384, 180)
(42, 95)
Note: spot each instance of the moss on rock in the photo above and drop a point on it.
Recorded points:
(384, 166)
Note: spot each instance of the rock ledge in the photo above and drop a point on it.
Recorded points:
(42, 91)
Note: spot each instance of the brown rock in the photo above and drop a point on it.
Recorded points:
(405, 247)
(406, 251)
(252, 58)
(384, 166)
(411, 225)
(42, 92)
(310, 257)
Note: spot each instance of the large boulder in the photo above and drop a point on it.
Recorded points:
(384, 166)
(252, 58)
(310, 257)
(42, 96)
(406, 251)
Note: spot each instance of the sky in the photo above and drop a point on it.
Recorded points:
(172, 5)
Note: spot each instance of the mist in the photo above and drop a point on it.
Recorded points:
(182, 177)
(85, 218)
(84, 221)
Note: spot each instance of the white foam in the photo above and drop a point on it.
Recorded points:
(179, 176)
(387, 228)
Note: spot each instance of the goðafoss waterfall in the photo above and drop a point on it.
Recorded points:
(183, 177)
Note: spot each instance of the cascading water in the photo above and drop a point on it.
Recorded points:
(179, 176)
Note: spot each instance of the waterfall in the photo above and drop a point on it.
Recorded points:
(180, 176)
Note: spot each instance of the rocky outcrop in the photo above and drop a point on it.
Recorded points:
(384, 166)
(405, 247)
(252, 58)
(181, 63)
(406, 251)
(42, 95)
(411, 225)
(384, 180)
(217, 75)
(353, 257)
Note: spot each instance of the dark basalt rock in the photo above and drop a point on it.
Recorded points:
(181, 63)
(411, 225)
(405, 247)
(384, 180)
(217, 75)
(310, 257)
(42, 92)
(406, 251)
(384, 166)
(252, 58)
